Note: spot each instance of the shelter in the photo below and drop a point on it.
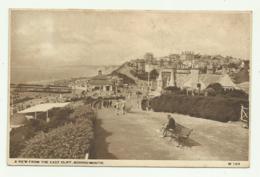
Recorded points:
(43, 108)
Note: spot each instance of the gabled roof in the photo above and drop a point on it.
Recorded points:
(187, 80)
(193, 83)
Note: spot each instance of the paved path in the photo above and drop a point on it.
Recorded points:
(136, 136)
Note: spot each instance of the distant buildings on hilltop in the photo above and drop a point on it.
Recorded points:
(187, 70)
(212, 64)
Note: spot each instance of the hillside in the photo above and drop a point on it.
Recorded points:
(124, 72)
(131, 76)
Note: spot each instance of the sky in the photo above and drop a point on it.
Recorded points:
(89, 37)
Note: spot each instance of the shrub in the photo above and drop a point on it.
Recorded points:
(58, 117)
(154, 74)
(17, 139)
(217, 87)
(214, 108)
(211, 92)
(71, 141)
(89, 100)
(236, 93)
(172, 89)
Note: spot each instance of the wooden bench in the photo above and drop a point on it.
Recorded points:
(180, 133)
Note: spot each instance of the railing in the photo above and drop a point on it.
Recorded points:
(244, 112)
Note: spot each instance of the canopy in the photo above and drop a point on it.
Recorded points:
(43, 107)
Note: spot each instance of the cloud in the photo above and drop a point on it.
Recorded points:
(110, 37)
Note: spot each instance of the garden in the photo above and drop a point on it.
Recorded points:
(69, 134)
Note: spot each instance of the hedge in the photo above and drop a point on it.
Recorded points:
(18, 136)
(71, 132)
(71, 141)
(214, 108)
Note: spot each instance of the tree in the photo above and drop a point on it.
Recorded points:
(172, 89)
(154, 74)
(210, 92)
(217, 87)
(232, 65)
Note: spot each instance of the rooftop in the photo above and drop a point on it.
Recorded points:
(43, 107)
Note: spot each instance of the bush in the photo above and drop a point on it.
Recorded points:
(217, 88)
(58, 117)
(71, 140)
(236, 93)
(172, 89)
(214, 108)
(220, 91)
(211, 92)
(18, 136)
(89, 100)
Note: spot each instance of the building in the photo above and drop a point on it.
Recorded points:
(192, 79)
(174, 57)
(140, 65)
(206, 79)
(31, 112)
(106, 83)
(187, 55)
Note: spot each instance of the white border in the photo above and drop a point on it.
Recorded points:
(253, 5)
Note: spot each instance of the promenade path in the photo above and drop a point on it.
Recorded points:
(136, 135)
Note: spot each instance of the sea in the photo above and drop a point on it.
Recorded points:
(28, 74)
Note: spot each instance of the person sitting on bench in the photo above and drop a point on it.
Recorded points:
(170, 125)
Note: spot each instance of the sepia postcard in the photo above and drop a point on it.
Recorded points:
(129, 88)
